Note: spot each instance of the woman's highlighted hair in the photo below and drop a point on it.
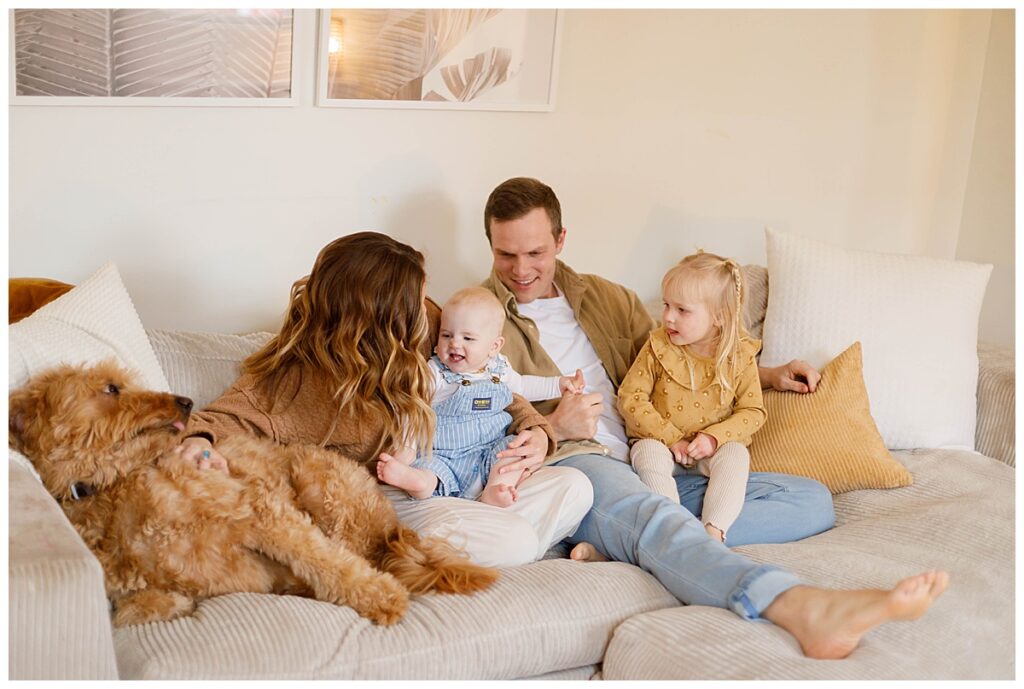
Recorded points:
(358, 320)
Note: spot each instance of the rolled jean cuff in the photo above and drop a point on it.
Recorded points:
(758, 588)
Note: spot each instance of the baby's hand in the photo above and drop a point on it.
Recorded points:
(572, 384)
(702, 447)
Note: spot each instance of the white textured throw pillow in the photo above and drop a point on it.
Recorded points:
(94, 321)
(917, 320)
(203, 365)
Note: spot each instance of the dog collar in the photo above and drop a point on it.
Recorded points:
(82, 490)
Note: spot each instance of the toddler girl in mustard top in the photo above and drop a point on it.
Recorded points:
(692, 398)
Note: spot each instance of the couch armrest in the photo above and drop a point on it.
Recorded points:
(59, 619)
(994, 434)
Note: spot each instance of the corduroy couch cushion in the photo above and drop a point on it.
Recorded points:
(539, 618)
(958, 516)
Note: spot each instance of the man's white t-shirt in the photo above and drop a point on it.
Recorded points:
(569, 347)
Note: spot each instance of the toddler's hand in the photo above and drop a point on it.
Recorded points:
(702, 447)
(572, 384)
(679, 452)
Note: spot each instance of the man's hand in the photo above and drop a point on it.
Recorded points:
(528, 449)
(575, 418)
(198, 451)
(796, 376)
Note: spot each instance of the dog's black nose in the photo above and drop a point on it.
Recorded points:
(184, 404)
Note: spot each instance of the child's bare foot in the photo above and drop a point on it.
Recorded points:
(584, 552)
(418, 483)
(499, 494)
(829, 624)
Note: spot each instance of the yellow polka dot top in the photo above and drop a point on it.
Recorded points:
(669, 395)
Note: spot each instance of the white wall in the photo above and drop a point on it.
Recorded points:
(673, 129)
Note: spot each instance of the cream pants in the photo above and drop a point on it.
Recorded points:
(727, 471)
(552, 503)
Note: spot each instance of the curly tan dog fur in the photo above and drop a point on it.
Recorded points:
(286, 519)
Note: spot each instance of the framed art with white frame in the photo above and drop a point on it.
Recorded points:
(153, 57)
(453, 59)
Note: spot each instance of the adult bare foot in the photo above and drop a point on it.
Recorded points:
(584, 552)
(498, 494)
(829, 624)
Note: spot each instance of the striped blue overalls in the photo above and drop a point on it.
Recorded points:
(471, 430)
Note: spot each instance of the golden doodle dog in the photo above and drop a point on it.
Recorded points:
(285, 519)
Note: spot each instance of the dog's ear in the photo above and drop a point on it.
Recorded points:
(23, 405)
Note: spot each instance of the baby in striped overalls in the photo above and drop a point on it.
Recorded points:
(473, 384)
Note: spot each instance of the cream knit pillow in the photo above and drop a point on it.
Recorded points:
(94, 321)
(916, 318)
(202, 366)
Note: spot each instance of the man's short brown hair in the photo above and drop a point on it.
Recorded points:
(514, 198)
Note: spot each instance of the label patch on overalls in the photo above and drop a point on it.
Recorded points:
(481, 404)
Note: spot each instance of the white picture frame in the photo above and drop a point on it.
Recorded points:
(279, 77)
(510, 64)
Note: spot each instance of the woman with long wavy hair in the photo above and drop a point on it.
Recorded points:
(348, 371)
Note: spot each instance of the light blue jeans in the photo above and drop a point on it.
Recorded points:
(630, 523)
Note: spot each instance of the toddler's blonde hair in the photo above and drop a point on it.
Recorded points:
(717, 283)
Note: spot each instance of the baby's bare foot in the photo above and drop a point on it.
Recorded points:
(410, 479)
(584, 552)
(499, 495)
(829, 624)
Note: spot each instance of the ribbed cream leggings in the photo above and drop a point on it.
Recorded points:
(727, 472)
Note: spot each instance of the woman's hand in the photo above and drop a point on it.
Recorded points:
(529, 448)
(199, 451)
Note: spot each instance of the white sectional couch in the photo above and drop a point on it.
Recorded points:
(553, 619)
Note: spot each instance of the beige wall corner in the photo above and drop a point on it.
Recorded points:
(987, 222)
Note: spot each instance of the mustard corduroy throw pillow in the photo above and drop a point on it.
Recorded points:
(828, 435)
